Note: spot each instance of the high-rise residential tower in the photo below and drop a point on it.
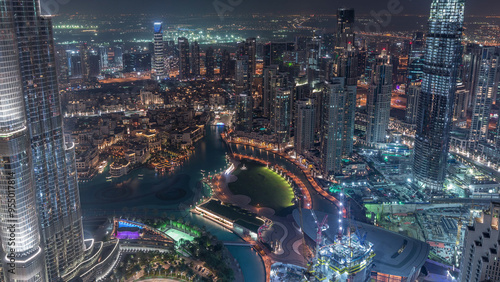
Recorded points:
(269, 73)
(333, 103)
(480, 259)
(412, 95)
(345, 28)
(159, 64)
(244, 112)
(304, 125)
(22, 255)
(195, 59)
(416, 58)
(210, 63)
(248, 51)
(484, 93)
(378, 104)
(346, 66)
(281, 114)
(184, 66)
(242, 81)
(435, 109)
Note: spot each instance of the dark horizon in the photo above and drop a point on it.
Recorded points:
(203, 7)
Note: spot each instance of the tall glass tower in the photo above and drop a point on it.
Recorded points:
(22, 255)
(54, 169)
(158, 64)
(435, 109)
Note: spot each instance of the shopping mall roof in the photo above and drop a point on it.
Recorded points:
(395, 254)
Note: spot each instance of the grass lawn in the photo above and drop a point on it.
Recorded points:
(265, 187)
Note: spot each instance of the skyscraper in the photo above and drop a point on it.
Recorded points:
(281, 114)
(304, 125)
(485, 91)
(345, 28)
(274, 51)
(416, 58)
(242, 81)
(184, 67)
(435, 109)
(210, 63)
(378, 104)
(412, 95)
(54, 169)
(159, 64)
(225, 65)
(460, 103)
(19, 227)
(333, 103)
(346, 66)
(195, 59)
(244, 112)
(269, 72)
(247, 50)
(480, 256)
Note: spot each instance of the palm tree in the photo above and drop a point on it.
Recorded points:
(159, 268)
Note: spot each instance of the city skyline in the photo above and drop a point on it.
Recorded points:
(197, 7)
(249, 141)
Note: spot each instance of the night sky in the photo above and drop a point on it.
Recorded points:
(186, 7)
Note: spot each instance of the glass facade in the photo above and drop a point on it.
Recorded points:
(333, 108)
(19, 227)
(435, 109)
(158, 64)
(485, 91)
(57, 196)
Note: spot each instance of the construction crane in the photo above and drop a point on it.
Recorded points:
(307, 254)
(321, 227)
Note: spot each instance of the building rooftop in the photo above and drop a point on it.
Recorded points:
(395, 254)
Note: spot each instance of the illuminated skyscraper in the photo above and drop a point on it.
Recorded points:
(54, 168)
(159, 64)
(210, 63)
(184, 67)
(484, 94)
(225, 65)
(346, 66)
(281, 114)
(19, 228)
(378, 104)
(345, 28)
(244, 112)
(479, 261)
(416, 58)
(242, 81)
(249, 49)
(435, 109)
(412, 95)
(195, 59)
(269, 84)
(333, 103)
(304, 125)
(414, 77)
